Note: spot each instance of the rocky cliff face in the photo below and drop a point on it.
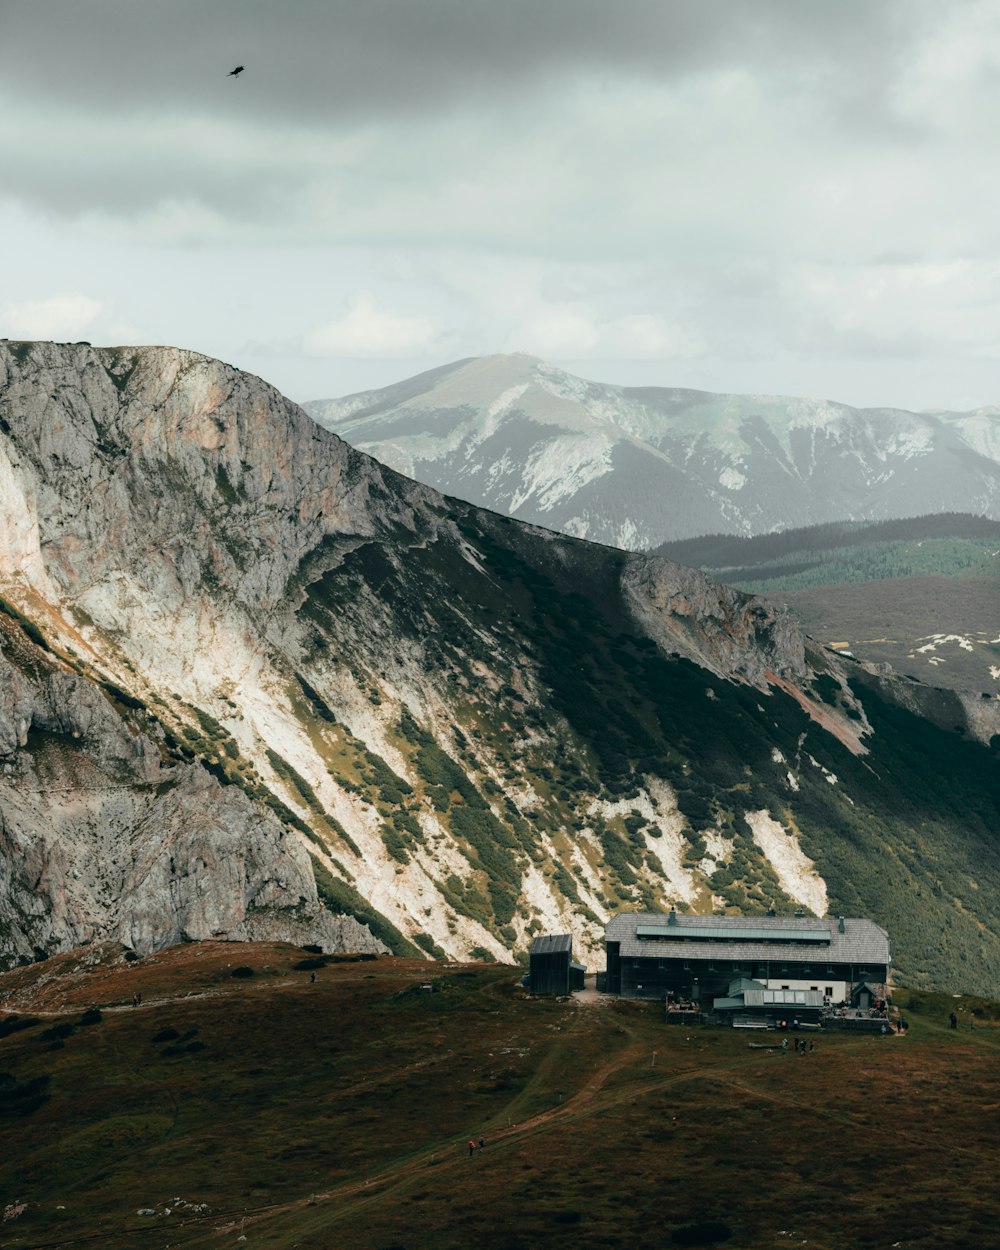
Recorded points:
(101, 838)
(300, 679)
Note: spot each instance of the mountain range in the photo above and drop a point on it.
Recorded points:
(255, 683)
(634, 467)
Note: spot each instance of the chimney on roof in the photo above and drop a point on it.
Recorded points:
(672, 917)
(840, 924)
(799, 913)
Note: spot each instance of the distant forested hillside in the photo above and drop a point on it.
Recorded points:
(949, 544)
(921, 594)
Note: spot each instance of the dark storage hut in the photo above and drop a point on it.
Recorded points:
(866, 995)
(552, 968)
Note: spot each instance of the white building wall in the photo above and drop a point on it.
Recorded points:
(841, 989)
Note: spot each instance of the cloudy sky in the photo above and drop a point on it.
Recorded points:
(790, 196)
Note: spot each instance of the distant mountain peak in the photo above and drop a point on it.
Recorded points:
(638, 466)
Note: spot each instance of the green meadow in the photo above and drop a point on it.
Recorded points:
(337, 1113)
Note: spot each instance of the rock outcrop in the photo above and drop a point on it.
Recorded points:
(713, 625)
(100, 840)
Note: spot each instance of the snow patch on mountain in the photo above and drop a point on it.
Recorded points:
(505, 400)
(938, 640)
(981, 430)
(558, 469)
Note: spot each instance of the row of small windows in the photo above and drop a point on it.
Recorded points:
(724, 939)
(761, 969)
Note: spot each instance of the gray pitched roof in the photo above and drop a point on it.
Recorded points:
(547, 943)
(798, 939)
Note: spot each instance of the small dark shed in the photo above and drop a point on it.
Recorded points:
(551, 958)
(866, 995)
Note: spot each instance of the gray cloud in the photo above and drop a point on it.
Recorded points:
(345, 104)
(704, 182)
(323, 62)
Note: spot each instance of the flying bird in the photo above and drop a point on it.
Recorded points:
(235, 73)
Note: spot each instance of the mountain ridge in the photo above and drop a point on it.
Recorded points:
(637, 466)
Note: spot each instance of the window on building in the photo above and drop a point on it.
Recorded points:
(687, 966)
(784, 967)
(829, 991)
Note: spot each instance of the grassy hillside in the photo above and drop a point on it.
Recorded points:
(942, 630)
(337, 1113)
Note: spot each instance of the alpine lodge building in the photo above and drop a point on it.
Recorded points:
(698, 958)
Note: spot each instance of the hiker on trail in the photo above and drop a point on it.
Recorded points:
(472, 1148)
(812, 1047)
(482, 1142)
(312, 978)
(954, 1020)
(784, 1045)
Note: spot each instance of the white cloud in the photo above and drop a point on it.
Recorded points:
(57, 317)
(121, 333)
(366, 330)
(648, 337)
(558, 332)
(574, 332)
(901, 309)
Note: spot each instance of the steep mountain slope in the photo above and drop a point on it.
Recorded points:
(637, 466)
(475, 728)
(921, 594)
